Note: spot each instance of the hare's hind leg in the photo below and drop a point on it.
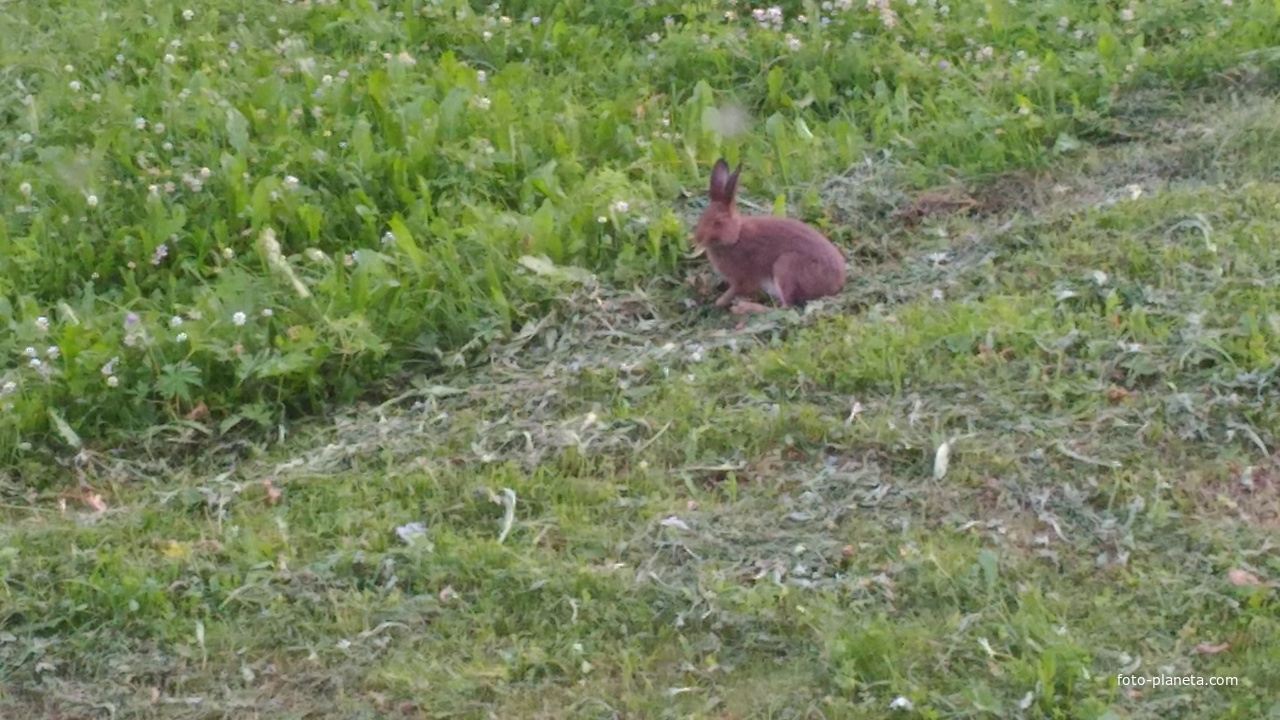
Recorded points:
(788, 279)
(799, 279)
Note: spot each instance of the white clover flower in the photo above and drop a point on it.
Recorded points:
(239, 318)
(112, 380)
(188, 15)
(175, 321)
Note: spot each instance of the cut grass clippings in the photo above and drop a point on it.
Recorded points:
(234, 214)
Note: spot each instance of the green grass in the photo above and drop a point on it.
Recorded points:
(631, 504)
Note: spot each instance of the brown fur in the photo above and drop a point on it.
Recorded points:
(786, 258)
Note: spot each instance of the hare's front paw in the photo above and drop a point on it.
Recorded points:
(745, 307)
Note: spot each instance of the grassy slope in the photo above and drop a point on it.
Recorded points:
(701, 529)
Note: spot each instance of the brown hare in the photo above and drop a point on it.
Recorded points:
(789, 260)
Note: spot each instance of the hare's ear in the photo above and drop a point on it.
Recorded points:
(731, 187)
(721, 182)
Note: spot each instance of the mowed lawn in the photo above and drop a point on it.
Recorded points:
(358, 366)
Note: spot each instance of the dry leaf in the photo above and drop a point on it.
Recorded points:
(199, 412)
(1205, 648)
(1116, 394)
(941, 457)
(95, 501)
(674, 522)
(1243, 577)
(273, 492)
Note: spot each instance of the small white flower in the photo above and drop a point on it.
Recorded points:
(536, 20)
(92, 200)
(25, 189)
(25, 138)
(35, 362)
(175, 321)
(109, 368)
(233, 46)
(182, 337)
(239, 318)
(228, 253)
(42, 324)
(52, 352)
(481, 76)
(205, 173)
(169, 59)
(290, 182)
(112, 380)
(620, 206)
(480, 102)
(268, 312)
(486, 36)
(388, 238)
(75, 85)
(29, 352)
(188, 15)
(9, 388)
